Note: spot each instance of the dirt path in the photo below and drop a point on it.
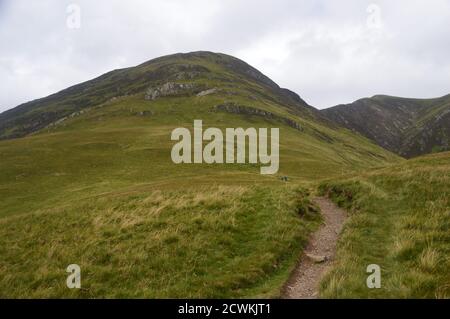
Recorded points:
(318, 255)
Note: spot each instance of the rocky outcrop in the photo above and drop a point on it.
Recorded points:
(247, 110)
(178, 72)
(171, 89)
(63, 119)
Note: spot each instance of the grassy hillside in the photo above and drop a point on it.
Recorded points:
(408, 127)
(96, 186)
(400, 221)
(216, 241)
(125, 141)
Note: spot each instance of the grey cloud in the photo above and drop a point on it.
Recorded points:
(323, 50)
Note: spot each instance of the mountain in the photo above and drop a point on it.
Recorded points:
(86, 177)
(35, 115)
(129, 114)
(408, 127)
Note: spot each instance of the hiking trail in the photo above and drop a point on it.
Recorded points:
(318, 255)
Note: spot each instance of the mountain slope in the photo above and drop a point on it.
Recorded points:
(408, 127)
(134, 129)
(35, 115)
(92, 182)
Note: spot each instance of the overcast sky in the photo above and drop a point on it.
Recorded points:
(329, 52)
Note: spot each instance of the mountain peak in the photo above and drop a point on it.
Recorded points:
(199, 69)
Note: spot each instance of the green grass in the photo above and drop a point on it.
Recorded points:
(111, 147)
(100, 189)
(222, 241)
(400, 220)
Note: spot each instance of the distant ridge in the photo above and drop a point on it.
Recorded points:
(406, 126)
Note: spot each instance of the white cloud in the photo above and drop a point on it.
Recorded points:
(323, 50)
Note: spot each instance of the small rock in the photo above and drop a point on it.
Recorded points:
(207, 92)
(317, 258)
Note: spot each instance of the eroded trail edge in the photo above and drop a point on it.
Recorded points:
(318, 254)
